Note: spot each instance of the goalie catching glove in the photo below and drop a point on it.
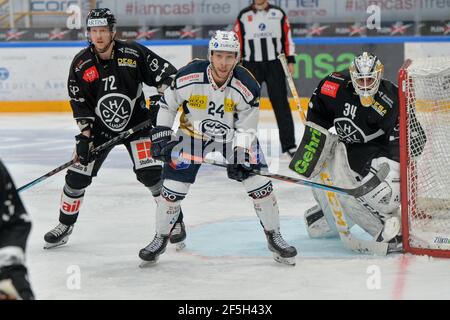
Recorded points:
(316, 146)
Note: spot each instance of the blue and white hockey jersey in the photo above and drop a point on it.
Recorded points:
(228, 113)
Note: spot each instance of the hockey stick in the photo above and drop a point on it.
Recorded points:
(292, 87)
(96, 151)
(350, 242)
(354, 192)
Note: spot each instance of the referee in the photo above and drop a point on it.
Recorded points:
(264, 32)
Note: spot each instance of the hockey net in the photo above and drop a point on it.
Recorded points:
(424, 87)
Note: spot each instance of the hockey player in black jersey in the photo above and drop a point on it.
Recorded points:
(15, 227)
(105, 88)
(363, 109)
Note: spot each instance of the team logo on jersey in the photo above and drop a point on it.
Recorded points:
(214, 128)
(74, 90)
(198, 102)
(329, 89)
(115, 110)
(91, 74)
(126, 62)
(262, 27)
(349, 132)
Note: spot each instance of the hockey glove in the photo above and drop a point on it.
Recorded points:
(18, 285)
(239, 168)
(84, 148)
(161, 148)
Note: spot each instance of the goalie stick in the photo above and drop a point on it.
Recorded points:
(103, 147)
(352, 243)
(354, 192)
(291, 84)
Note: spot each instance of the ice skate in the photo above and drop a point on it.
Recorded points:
(178, 235)
(58, 236)
(151, 253)
(282, 251)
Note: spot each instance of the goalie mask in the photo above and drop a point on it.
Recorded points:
(366, 71)
(224, 41)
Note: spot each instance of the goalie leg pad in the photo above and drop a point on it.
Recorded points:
(317, 225)
(338, 171)
(169, 205)
(315, 148)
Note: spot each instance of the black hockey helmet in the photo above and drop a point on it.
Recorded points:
(101, 17)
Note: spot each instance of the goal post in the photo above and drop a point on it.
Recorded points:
(424, 100)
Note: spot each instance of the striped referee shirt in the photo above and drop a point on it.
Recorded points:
(264, 34)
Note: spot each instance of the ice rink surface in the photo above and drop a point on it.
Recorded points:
(226, 255)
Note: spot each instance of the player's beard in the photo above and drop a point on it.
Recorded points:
(106, 48)
(221, 77)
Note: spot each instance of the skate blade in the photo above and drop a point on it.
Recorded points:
(287, 261)
(147, 264)
(48, 245)
(180, 246)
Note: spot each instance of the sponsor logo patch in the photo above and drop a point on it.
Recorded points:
(70, 207)
(198, 102)
(329, 89)
(442, 240)
(91, 74)
(190, 78)
(126, 62)
(141, 154)
(97, 22)
(243, 89)
(381, 110)
(229, 105)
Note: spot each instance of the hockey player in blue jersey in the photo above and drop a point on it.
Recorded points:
(220, 102)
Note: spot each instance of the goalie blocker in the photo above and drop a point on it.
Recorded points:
(317, 144)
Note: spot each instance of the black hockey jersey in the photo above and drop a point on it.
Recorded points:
(109, 92)
(14, 222)
(368, 132)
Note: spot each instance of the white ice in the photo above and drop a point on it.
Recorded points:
(226, 255)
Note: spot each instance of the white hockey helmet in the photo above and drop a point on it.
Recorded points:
(224, 41)
(366, 71)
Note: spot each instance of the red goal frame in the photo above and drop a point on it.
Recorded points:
(408, 168)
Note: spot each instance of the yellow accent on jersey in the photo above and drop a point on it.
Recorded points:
(229, 105)
(198, 102)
